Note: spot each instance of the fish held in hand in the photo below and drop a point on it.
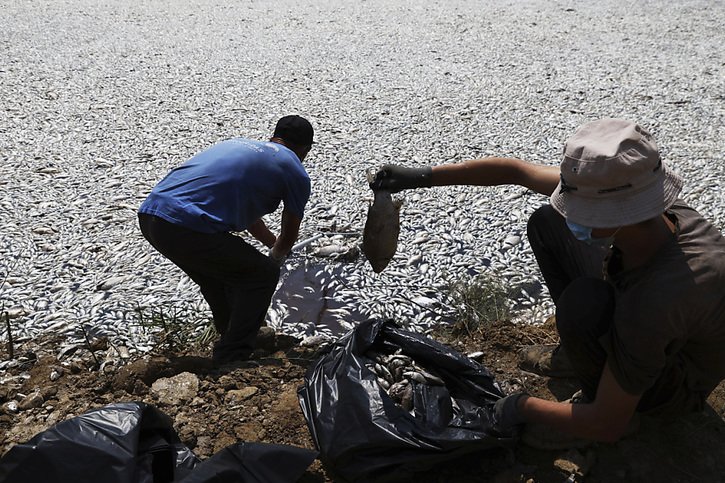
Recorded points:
(380, 238)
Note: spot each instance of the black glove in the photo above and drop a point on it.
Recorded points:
(395, 178)
(506, 413)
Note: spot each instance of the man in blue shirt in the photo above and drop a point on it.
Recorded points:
(190, 215)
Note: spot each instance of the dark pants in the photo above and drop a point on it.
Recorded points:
(236, 280)
(585, 308)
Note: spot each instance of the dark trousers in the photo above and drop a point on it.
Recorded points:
(236, 280)
(585, 306)
(584, 302)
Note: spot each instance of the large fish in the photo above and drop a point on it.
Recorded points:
(380, 238)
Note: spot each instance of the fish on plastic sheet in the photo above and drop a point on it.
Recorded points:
(382, 227)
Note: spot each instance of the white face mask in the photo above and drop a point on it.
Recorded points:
(584, 234)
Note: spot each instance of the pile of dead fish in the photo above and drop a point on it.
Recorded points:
(396, 373)
(94, 115)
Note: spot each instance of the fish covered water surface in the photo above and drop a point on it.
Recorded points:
(382, 227)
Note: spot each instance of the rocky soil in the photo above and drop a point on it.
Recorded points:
(214, 408)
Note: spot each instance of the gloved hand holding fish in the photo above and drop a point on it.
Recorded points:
(380, 238)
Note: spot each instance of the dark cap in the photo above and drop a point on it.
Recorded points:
(294, 129)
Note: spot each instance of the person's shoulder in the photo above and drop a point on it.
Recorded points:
(692, 221)
(284, 155)
(226, 145)
(242, 142)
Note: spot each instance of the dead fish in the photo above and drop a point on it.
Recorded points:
(380, 238)
(329, 250)
(397, 390)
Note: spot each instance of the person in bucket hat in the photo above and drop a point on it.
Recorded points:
(636, 275)
(191, 216)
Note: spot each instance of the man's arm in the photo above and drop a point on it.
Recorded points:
(288, 235)
(498, 171)
(605, 419)
(260, 231)
(482, 172)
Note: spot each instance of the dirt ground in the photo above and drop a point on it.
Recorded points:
(260, 404)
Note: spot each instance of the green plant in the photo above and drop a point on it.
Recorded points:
(480, 301)
(89, 346)
(175, 328)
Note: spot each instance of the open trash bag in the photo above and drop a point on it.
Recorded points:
(135, 443)
(363, 435)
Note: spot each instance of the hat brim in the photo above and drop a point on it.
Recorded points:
(621, 208)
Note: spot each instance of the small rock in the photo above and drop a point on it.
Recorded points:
(31, 401)
(56, 373)
(573, 462)
(48, 392)
(147, 369)
(175, 390)
(227, 382)
(236, 396)
(11, 407)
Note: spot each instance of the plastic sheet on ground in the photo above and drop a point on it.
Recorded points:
(136, 443)
(364, 436)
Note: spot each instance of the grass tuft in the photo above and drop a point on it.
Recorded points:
(175, 328)
(480, 301)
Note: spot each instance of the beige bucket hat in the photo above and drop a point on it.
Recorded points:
(612, 176)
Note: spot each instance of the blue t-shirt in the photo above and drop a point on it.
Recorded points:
(229, 186)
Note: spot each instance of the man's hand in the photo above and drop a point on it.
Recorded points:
(506, 413)
(276, 257)
(395, 178)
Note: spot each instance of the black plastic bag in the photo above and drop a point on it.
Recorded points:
(120, 443)
(253, 463)
(136, 443)
(364, 436)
